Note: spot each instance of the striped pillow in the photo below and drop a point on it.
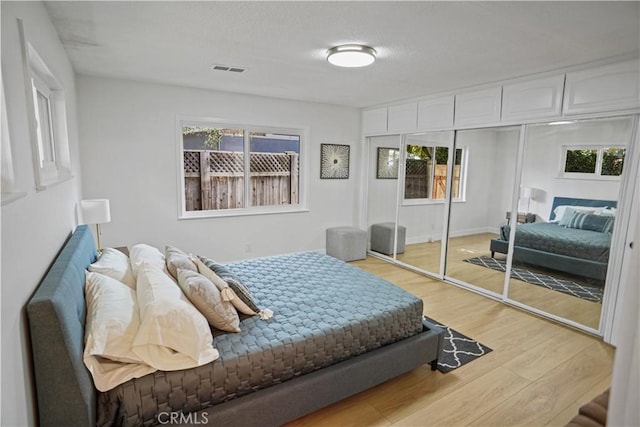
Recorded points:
(586, 221)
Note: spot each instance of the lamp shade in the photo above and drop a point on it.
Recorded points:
(95, 211)
(527, 193)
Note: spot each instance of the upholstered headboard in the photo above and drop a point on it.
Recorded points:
(66, 394)
(572, 201)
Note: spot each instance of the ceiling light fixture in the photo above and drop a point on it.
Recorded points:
(351, 55)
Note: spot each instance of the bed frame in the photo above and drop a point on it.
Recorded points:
(67, 396)
(572, 265)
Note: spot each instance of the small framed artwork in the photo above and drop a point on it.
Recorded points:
(334, 161)
(387, 163)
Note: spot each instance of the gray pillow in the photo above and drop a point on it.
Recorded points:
(176, 259)
(234, 283)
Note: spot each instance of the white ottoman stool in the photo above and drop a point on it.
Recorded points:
(382, 237)
(347, 243)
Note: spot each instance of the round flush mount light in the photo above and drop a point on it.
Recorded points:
(351, 55)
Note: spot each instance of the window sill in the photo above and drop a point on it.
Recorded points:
(11, 197)
(240, 212)
(589, 177)
(427, 202)
(53, 182)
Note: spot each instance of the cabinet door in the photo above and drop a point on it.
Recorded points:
(535, 99)
(402, 117)
(435, 113)
(607, 88)
(480, 107)
(374, 121)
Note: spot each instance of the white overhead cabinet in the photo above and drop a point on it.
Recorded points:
(480, 107)
(402, 117)
(607, 88)
(374, 121)
(437, 113)
(534, 99)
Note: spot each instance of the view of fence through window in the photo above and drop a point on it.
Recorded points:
(604, 161)
(426, 172)
(215, 172)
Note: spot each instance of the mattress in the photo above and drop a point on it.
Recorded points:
(325, 311)
(550, 237)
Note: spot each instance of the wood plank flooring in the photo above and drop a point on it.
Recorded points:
(538, 374)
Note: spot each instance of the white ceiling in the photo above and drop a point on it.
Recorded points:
(423, 47)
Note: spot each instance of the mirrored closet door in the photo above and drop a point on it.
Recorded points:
(571, 177)
(382, 193)
(484, 172)
(421, 216)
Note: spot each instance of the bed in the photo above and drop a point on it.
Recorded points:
(67, 396)
(556, 246)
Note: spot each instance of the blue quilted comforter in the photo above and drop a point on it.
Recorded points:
(325, 311)
(550, 237)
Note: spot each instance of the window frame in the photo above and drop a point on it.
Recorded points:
(301, 206)
(40, 79)
(429, 200)
(597, 174)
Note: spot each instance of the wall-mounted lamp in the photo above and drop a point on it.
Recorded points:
(351, 55)
(95, 211)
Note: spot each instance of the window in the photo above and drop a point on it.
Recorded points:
(239, 169)
(593, 161)
(426, 172)
(48, 119)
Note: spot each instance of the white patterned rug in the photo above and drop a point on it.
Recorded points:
(589, 293)
(458, 349)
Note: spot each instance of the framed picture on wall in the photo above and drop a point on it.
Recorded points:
(334, 161)
(387, 163)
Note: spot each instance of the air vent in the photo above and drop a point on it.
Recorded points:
(227, 68)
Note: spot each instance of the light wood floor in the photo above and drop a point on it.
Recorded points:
(427, 257)
(539, 372)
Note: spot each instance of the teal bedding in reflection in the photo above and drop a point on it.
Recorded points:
(550, 237)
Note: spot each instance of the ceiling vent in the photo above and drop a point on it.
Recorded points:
(228, 68)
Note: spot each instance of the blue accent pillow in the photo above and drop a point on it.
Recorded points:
(585, 221)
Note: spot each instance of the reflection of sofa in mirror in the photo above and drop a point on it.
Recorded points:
(576, 240)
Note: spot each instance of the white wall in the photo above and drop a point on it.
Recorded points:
(543, 154)
(35, 226)
(128, 132)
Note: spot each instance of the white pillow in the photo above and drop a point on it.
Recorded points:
(114, 264)
(111, 325)
(207, 299)
(173, 334)
(144, 253)
(608, 211)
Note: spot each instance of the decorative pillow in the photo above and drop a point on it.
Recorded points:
(177, 259)
(568, 214)
(114, 264)
(207, 299)
(243, 300)
(225, 291)
(111, 325)
(173, 334)
(561, 211)
(144, 253)
(599, 223)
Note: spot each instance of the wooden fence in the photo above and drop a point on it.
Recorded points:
(416, 183)
(215, 179)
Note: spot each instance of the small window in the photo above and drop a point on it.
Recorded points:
(48, 119)
(593, 161)
(426, 173)
(240, 169)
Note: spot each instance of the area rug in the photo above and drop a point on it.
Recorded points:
(458, 349)
(589, 293)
